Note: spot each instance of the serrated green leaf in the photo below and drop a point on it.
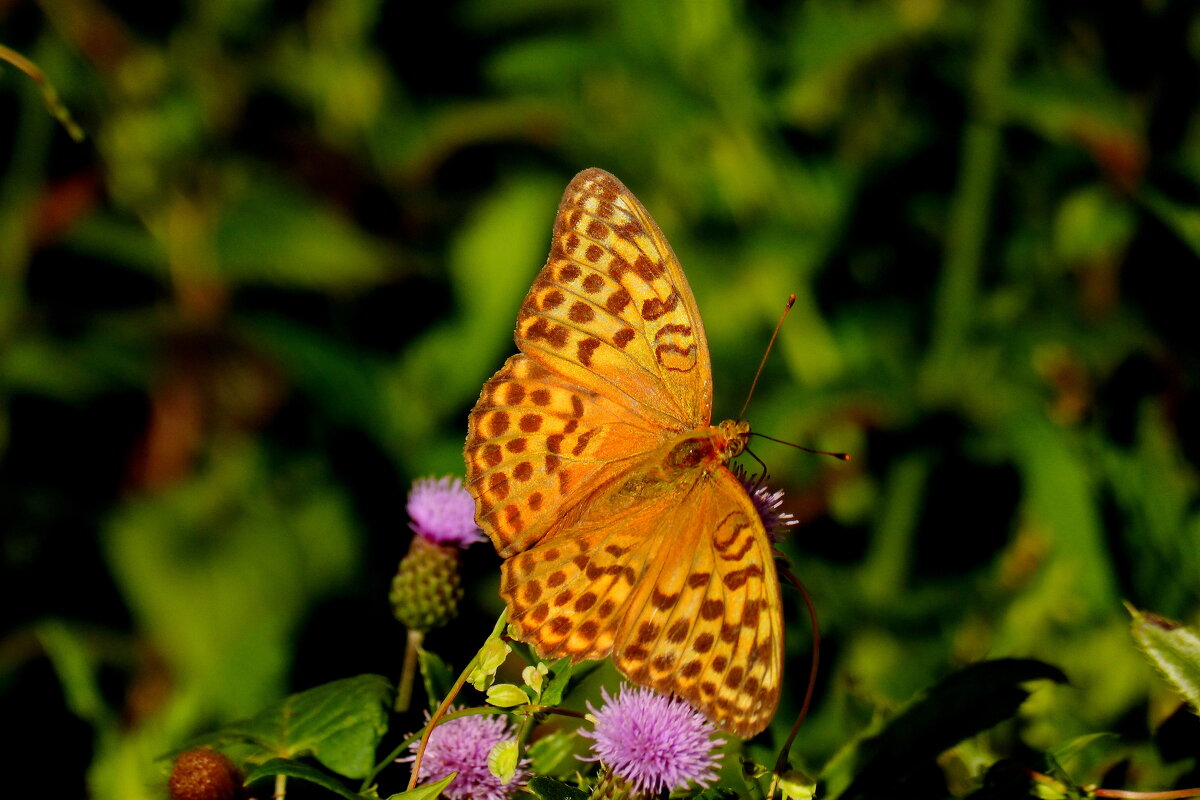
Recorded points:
(502, 760)
(436, 675)
(305, 772)
(427, 792)
(339, 724)
(506, 695)
(549, 789)
(1173, 649)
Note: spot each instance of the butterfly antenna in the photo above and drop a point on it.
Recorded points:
(791, 302)
(781, 764)
(841, 456)
(762, 476)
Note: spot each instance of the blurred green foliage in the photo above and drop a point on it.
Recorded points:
(261, 295)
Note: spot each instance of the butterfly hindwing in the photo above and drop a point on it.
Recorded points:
(707, 625)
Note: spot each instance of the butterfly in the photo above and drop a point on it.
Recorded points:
(598, 475)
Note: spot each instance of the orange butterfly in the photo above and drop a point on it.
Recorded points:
(598, 476)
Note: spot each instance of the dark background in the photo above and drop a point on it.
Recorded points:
(260, 296)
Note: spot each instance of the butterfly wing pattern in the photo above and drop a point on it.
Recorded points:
(598, 477)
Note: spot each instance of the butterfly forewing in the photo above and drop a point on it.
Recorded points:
(535, 441)
(612, 544)
(613, 310)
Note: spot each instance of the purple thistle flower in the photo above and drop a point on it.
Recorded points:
(653, 742)
(462, 745)
(767, 503)
(443, 512)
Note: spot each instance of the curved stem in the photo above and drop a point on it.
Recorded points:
(781, 763)
(445, 704)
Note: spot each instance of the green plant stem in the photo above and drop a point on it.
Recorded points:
(885, 570)
(445, 704)
(955, 304)
(409, 672)
(49, 94)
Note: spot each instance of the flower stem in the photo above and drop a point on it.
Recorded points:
(445, 704)
(405, 687)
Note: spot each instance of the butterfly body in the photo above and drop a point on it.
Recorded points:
(600, 480)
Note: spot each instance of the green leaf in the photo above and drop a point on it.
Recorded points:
(506, 695)
(967, 702)
(550, 789)
(564, 676)
(340, 724)
(427, 792)
(276, 234)
(436, 675)
(548, 753)
(493, 653)
(502, 760)
(305, 772)
(797, 786)
(1173, 649)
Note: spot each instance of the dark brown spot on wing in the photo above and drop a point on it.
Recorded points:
(531, 423)
(593, 252)
(540, 397)
(712, 608)
(617, 301)
(703, 643)
(647, 632)
(492, 455)
(737, 579)
(654, 308)
(523, 471)
(514, 393)
(623, 337)
(498, 423)
(552, 300)
(663, 601)
(586, 348)
(570, 272)
(593, 283)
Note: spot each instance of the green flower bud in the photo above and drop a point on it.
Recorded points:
(427, 586)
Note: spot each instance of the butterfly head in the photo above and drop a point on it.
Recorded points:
(731, 437)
